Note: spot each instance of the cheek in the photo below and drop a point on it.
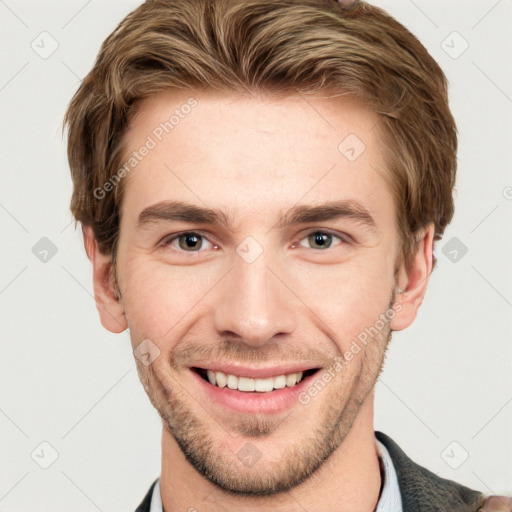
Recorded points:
(348, 297)
(157, 297)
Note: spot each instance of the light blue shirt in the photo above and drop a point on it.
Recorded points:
(390, 499)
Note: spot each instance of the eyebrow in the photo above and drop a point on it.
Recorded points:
(166, 211)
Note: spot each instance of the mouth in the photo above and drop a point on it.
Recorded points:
(252, 385)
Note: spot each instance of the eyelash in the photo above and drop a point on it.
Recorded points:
(343, 238)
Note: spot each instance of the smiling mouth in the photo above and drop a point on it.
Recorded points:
(249, 385)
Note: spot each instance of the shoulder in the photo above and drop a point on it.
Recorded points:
(422, 491)
(496, 504)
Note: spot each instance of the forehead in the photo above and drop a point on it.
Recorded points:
(253, 154)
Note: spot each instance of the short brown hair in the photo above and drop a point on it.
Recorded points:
(305, 46)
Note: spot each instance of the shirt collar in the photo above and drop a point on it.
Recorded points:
(389, 501)
(156, 499)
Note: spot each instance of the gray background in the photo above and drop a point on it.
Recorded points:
(446, 392)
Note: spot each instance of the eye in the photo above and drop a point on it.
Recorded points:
(321, 240)
(187, 242)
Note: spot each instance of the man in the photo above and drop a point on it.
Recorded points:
(260, 186)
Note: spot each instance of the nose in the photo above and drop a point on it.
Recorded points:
(254, 305)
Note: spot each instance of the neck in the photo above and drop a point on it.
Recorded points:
(348, 480)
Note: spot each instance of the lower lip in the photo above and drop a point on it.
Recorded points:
(254, 402)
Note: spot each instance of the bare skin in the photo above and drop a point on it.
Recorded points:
(303, 300)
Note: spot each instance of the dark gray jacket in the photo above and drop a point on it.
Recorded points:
(421, 490)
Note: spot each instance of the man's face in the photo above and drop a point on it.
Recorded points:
(258, 295)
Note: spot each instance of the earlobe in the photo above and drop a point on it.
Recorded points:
(110, 309)
(413, 280)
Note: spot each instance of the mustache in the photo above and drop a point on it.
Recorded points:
(236, 351)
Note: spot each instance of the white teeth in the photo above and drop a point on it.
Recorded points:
(211, 376)
(247, 384)
(221, 379)
(291, 379)
(280, 382)
(264, 384)
(232, 382)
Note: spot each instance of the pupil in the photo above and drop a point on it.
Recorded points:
(320, 239)
(191, 241)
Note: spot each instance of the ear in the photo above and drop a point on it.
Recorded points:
(413, 280)
(111, 311)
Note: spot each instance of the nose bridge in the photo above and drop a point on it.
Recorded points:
(253, 304)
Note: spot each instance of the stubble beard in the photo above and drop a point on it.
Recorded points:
(298, 459)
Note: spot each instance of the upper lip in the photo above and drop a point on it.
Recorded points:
(256, 372)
